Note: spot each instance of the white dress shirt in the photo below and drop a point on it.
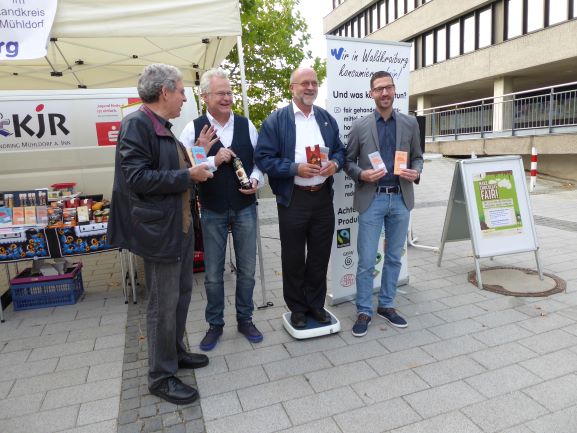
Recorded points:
(225, 134)
(308, 133)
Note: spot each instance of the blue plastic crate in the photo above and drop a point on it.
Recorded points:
(41, 292)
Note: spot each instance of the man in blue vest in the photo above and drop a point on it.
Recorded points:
(226, 205)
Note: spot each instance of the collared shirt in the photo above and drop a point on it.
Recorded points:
(308, 133)
(225, 134)
(387, 132)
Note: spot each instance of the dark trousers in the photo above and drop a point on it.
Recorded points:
(169, 290)
(306, 229)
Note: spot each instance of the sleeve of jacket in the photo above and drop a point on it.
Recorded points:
(352, 153)
(140, 165)
(338, 149)
(416, 152)
(269, 154)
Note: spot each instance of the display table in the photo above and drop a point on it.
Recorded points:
(21, 244)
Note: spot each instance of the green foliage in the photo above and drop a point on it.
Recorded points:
(274, 37)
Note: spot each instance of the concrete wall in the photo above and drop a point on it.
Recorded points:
(557, 153)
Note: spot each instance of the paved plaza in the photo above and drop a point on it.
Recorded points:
(470, 361)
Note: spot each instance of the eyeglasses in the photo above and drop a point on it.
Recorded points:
(379, 90)
(221, 94)
(308, 83)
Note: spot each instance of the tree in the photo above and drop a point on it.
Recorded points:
(274, 37)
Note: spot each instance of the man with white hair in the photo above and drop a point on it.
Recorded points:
(226, 205)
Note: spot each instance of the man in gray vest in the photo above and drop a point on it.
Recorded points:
(382, 196)
(226, 205)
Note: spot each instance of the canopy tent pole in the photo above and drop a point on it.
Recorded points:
(246, 114)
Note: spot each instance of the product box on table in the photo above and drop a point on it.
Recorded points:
(30, 292)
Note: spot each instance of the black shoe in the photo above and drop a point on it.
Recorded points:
(299, 320)
(174, 391)
(390, 314)
(211, 338)
(192, 360)
(321, 316)
(250, 331)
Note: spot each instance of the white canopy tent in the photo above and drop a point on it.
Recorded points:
(106, 43)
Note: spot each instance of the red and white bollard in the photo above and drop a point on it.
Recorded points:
(533, 169)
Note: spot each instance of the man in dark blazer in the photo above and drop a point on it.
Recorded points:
(303, 192)
(382, 197)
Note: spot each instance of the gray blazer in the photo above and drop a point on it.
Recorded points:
(364, 139)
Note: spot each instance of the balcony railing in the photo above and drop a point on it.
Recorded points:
(538, 111)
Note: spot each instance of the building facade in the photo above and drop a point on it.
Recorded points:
(471, 49)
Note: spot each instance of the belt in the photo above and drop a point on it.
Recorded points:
(388, 189)
(310, 188)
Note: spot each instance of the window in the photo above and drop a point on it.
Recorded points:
(374, 19)
(558, 11)
(441, 45)
(391, 10)
(455, 39)
(429, 50)
(363, 30)
(535, 15)
(574, 8)
(411, 5)
(469, 34)
(485, 30)
(514, 18)
(382, 14)
(354, 30)
(400, 8)
(413, 54)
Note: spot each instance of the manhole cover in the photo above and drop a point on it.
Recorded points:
(514, 281)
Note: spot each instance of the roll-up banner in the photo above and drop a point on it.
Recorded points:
(350, 65)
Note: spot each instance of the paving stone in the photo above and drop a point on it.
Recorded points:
(555, 394)
(449, 370)
(377, 418)
(502, 335)
(274, 392)
(5, 388)
(264, 420)
(549, 341)
(497, 319)
(220, 405)
(296, 365)
(95, 332)
(388, 387)
(552, 364)
(454, 347)
(452, 422)
(46, 382)
(500, 356)
(444, 398)
(457, 329)
(7, 359)
(109, 370)
(101, 427)
(546, 323)
(42, 422)
(109, 341)
(322, 405)
(408, 340)
(335, 377)
(563, 421)
(406, 359)
(303, 347)
(326, 425)
(230, 381)
(503, 380)
(74, 325)
(153, 424)
(170, 419)
(258, 356)
(461, 312)
(82, 393)
(18, 406)
(96, 411)
(59, 350)
(504, 411)
(29, 343)
(91, 358)
(355, 352)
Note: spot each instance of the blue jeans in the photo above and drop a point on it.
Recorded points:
(390, 210)
(215, 233)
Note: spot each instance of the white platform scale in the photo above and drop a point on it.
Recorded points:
(313, 328)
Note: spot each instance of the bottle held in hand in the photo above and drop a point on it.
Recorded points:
(241, 173)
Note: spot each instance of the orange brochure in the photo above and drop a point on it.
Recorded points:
(400, 161)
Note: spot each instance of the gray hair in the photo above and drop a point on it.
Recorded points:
(154, 77)
(209, 75)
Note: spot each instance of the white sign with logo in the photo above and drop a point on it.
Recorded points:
(350, 65)
(25, 27)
